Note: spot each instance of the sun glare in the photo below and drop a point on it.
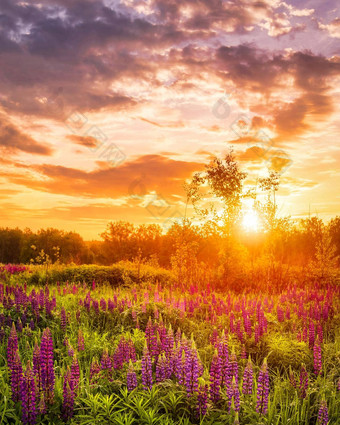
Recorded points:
(250, 221)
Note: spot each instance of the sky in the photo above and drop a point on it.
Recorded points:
(107, 107)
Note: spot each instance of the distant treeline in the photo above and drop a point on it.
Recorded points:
(288, 242)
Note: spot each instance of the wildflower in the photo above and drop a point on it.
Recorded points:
(202, 400)
(75, 373)
(233, 396)
(161, 368)
(215, 378)
(37, 366)
(317, 357)
(94, 370)
(311, 332)
(263, 389)
(68, 396)
(146, 370)
(106, 363)
(131, 377)
(12, 346)
(47, 370)
(63, 320)
(303, 382)
(28, 397)
(191, 371)
(16, 377)
(323, 413)
(248, 377)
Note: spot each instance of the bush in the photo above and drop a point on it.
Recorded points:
(116, 275)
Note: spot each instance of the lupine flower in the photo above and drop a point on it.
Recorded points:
(63, 320)
(311, 333)
(146, 370)
(248, 377)
(233, 393)
(106, 363)
(37, 366)
(16, 377)
(47, 369)
(28, 397)
(131, 377)
(68, 396)
(94, 370)
(215, 378)
(191, 371)
(263, 389)
(339, 384)
(81, 342)
(75, 373)
(303, 387)
(161, 368)
(317, 357)
(292, 377)
(12, 346)
(202, 400)
(323, 413)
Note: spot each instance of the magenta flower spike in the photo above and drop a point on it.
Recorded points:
(68, 396)
(146, 370)
(12, 346)
(131, 377)
(317, 357)
(81, 341)
(75, 372)
(263, 389)
(248, 378)
(323, 413)
(28, 397)
(303, 385)
(215, 378)
(16, 377)
(202, 400)
(47, 369)
(233, 393)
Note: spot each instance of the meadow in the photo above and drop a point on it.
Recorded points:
(155, 351)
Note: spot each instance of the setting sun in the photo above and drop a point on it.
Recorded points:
(250, 221)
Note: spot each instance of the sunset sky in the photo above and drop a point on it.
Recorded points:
(107, 107)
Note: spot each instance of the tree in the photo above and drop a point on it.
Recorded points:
(216, 193)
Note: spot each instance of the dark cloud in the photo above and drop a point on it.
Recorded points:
(13, 140)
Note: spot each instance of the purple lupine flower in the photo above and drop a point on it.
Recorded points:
(81, 342)
(94, 370)
(191, 370)
(263, 389)
(338, 388)
(233, 393)
(131, 377)
(202, 400)
(146, 370)
(70, 350)
(75, 372)
(233, 366)
(28, 397)
(37, 366)
(311, 334)
(63, 320)
(323, 413)
(12, 346)
(179, 361)
(16, 377)
(303, 385)
(248, 378)
(161, 368)
(292, 377)
(47, 369)
(68, 396)
(151, 338)
(106, 363)
(317, 357)
(215, 378)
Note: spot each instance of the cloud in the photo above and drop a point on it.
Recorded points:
(146, 174)
(12, 140)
